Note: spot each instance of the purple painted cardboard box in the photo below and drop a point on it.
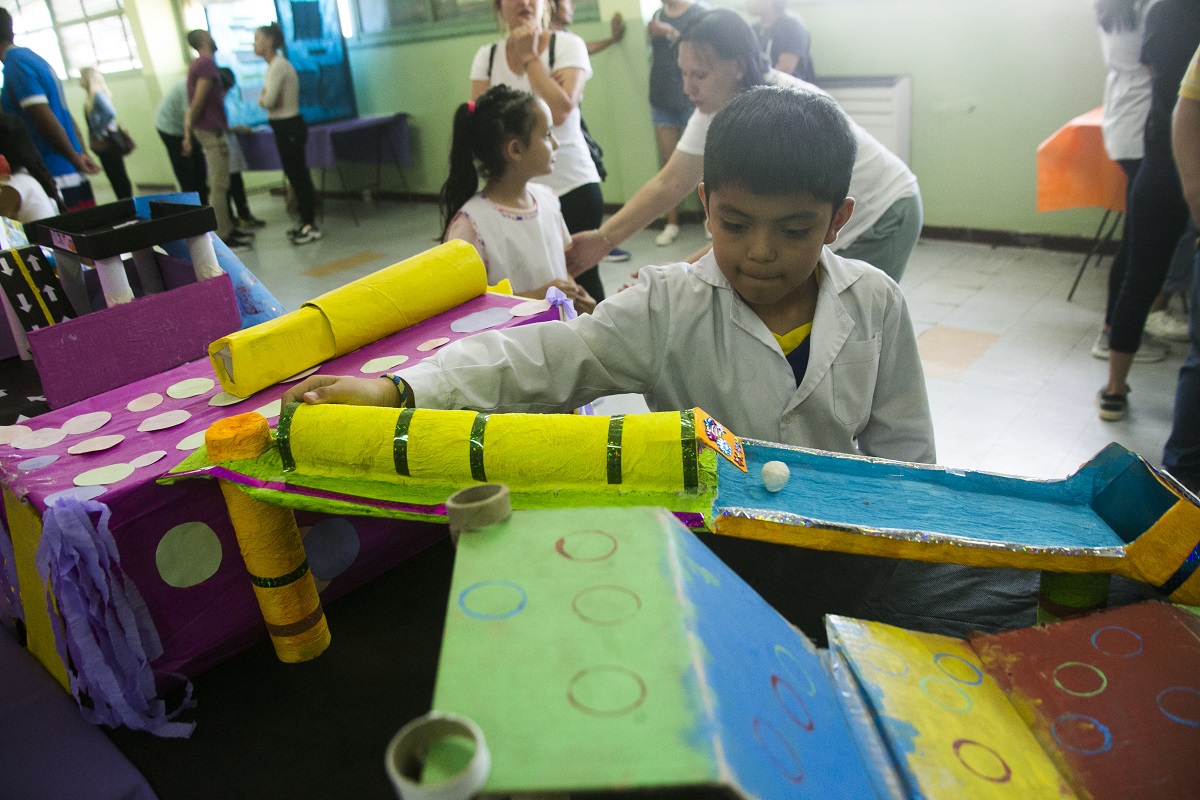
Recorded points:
(175, 543)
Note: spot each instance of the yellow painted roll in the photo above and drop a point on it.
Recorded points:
(525, 451)
(349, 317)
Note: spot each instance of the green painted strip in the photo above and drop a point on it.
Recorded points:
(687, 425)
(400, 441)
(283, 436)
(613, 455)
(283, 580)
(477, 429)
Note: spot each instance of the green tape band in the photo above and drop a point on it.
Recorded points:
(613, 454)
(477, 429)
(283, 580)
(400, 441)
(283, 437)
(687, 435)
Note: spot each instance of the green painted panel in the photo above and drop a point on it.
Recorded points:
(614, 701)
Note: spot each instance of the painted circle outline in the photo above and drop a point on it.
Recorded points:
(780, 649)
(462, 597)
(1191, 723)
(1138, 636)
(757, 725)
(560, 546)
(575, 605)
(952, 685)
(776, 682)
(871, 664)
(1104, 748)
(937, 662)
(1005, 778)
(620, 712)
(1097, 670)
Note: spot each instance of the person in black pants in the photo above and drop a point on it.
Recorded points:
(280, 96)
(190, 171)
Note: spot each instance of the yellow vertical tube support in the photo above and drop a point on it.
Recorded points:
(271, 547)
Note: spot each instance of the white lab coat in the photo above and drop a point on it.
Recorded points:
(684, 338)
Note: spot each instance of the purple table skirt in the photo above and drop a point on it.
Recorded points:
(368, 140)
(203, 624)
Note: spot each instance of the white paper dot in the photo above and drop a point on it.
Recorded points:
(45, 437)
(103, 476)
(300, 375)
(95, 444)
(78, 493)
(145, 402)
(271, 409)
(10, 432)
(191, 442)
(433, 344)
(224, 399)
(530, 308)
(86, 423)
(147, 459)
(382, 364)
(167, 419)
(192, 387)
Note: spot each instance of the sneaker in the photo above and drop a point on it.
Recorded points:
(617, 255)
(1165, 325)
(243, 233)
(250, 221)
(239, 244)
(1151, 352)
(306, 234)
(1113, 407)
(668, 236)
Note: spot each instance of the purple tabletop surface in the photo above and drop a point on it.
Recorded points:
(368, 140)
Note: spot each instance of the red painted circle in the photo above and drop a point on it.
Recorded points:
(1006, 771)
(778, 750)
(776, 683)
(575, 546)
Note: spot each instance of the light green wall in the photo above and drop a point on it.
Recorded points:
(990, 81)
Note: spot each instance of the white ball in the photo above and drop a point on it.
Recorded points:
(775, 475)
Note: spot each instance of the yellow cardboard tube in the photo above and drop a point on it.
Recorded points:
(349, 317)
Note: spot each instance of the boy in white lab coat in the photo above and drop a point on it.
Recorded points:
(771, 333)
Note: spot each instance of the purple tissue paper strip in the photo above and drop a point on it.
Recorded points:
(10, 600)
(558, 298)
(107, 635)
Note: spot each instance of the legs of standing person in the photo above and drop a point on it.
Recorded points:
(668, 127)
(1116, 273)
(1157, 215)
(76, 191)
(890, 241)
(216, 155)
(291, 137)
(1162, 323)
(583, 210)
(113, 163)
(239, 206)
(1181, 456)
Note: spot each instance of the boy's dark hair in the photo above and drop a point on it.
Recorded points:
(481, 131)
(6, 26)
(779, 141)
(731, 39)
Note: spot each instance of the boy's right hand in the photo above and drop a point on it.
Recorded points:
(345, 391)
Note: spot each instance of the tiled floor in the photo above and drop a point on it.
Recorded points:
(1010, 375)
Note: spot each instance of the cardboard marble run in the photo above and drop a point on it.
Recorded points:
(623, 655)
(1115, 515)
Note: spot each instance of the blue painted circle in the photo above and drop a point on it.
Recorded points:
(1191, 723)
(518, 604)
(943, 682)
(1104, 747)
(938, 657)
(1131, 654)
(331, 545)
(37, 462)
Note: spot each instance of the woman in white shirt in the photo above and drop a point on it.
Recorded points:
(553, 65)
(280, 96)
(720, 59)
